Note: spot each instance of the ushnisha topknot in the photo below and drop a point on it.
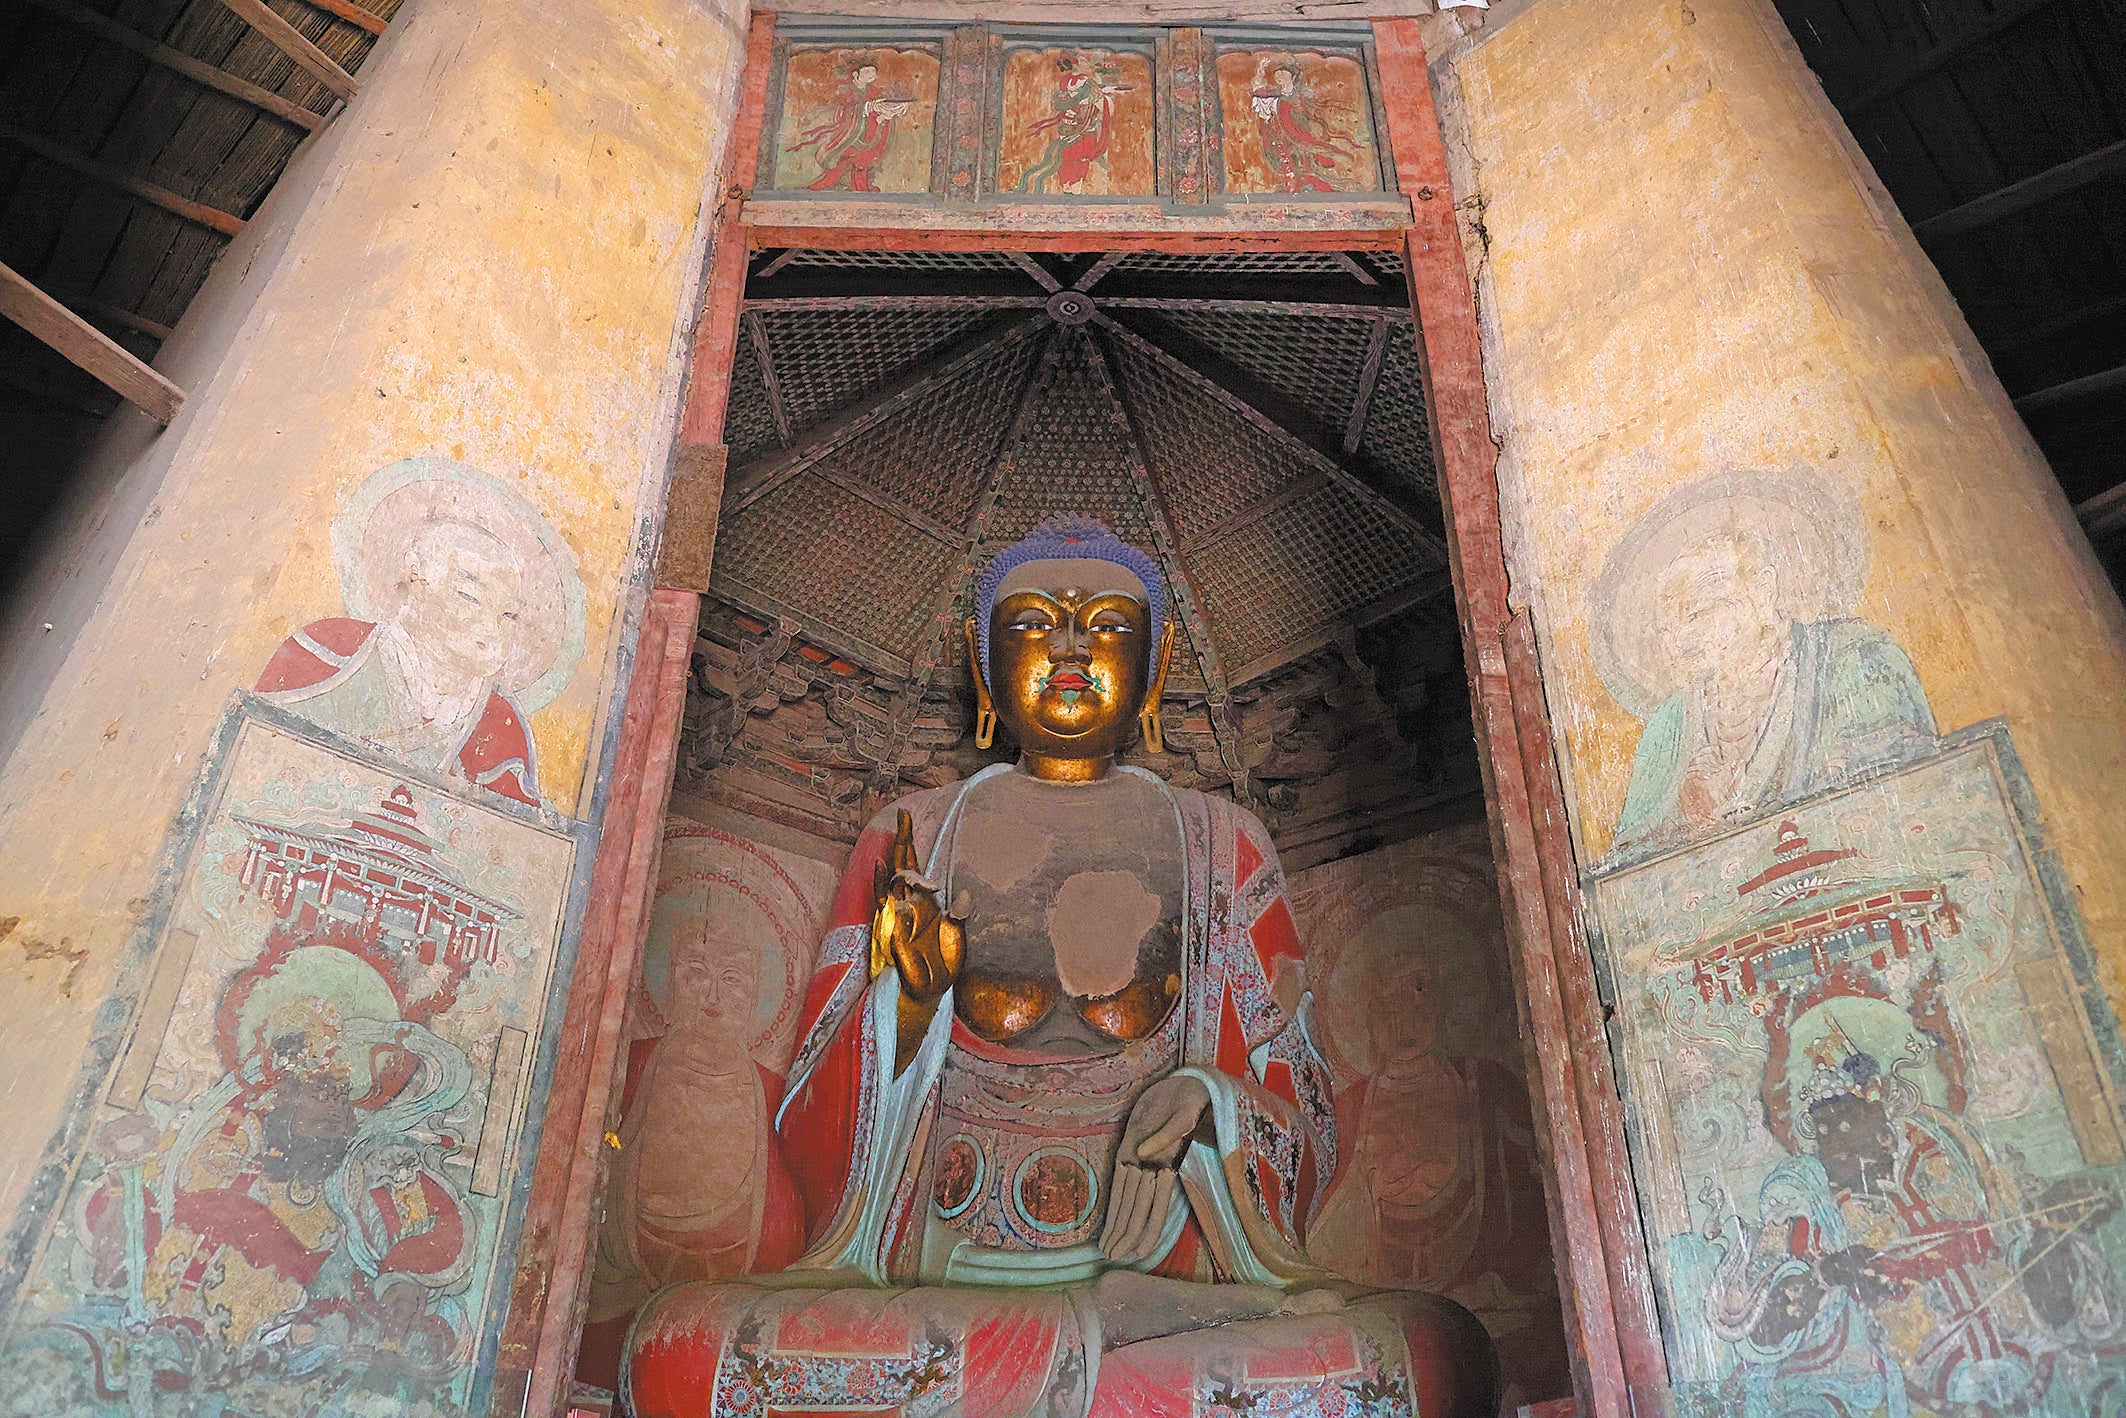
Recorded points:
(1069, 536)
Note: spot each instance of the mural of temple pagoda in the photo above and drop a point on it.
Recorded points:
(1804, 922)
(380, 873)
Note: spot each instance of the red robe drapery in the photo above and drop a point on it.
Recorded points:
(1251, 1202)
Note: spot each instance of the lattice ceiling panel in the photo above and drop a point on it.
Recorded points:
(826, 360)
(864, 540)
(939, 456)
(905, 260)
(1210, 461)
(1224, 263)
(862, 577)
(1072, 456)
(1315, 361)
(1282, 578)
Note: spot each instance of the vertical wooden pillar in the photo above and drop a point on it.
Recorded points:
(537, 1356)
(1602, 1269)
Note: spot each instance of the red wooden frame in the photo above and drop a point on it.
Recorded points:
(1594, 1211)
(1602, 1261)
(544, 1326)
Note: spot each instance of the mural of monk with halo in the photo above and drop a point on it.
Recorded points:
(1056, 1124)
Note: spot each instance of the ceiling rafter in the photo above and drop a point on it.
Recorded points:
(1368, 380)
(770, 381)
(1182, 595)
(1031, 265)
(1306, 449)
(805, 304)
(769, 471)
(179, 62)
(1098, 270)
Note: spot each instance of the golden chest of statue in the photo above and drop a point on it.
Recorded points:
(1066, 1008)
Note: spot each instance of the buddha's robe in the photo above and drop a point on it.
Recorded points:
(1008, 1318)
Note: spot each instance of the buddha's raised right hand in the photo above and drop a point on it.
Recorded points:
(913, 932)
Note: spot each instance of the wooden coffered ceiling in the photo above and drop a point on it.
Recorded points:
(895, 418)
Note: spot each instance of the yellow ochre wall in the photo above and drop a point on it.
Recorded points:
(490, 258)
(1693, 294)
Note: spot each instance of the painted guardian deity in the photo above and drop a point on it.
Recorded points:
(1080, 125)
(1056, 1128)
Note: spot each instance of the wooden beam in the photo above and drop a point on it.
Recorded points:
(1368, 380)
(767, 304)
(178, 62)
(714, 346)
(353, 14)
(2045, 330)
(1031, 265)
(292, 42)
(756, 479)
(770, 382)
(1309, 450)
(109, 314)
(1107, 12)
(1358, 223)
(88, 347)
(1096, 272)
(1927, 61)
(1186, 601)
(1595, 1227)
(2101, 382)
(2104, 515)
(2069, 176)
(226, 223)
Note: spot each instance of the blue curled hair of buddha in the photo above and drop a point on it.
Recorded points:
(1069, 536)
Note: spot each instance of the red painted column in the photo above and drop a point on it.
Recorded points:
(1602, 1272)
(545, 1325)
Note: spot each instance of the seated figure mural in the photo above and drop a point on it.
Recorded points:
(1056, 1128)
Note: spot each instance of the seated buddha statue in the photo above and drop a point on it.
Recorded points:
(1056, 1127)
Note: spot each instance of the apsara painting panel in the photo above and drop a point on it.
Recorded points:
(1876, 1130)
(1077, 122)
(296, 1181)
(1295, 122)
(859, 119)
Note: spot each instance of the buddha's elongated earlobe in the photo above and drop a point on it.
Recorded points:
(1154, 736)
(985, 712)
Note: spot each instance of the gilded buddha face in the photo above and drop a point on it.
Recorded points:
(1070, 658)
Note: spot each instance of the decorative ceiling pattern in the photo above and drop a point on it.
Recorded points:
(895, 419)
(921, 428)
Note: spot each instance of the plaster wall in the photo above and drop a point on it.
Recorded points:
(466, 304)
(1802, 583)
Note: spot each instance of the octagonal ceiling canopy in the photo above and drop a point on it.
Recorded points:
(1255, 420)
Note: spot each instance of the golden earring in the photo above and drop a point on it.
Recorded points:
(985, 714)
(1154, 739)
(1148, 716)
